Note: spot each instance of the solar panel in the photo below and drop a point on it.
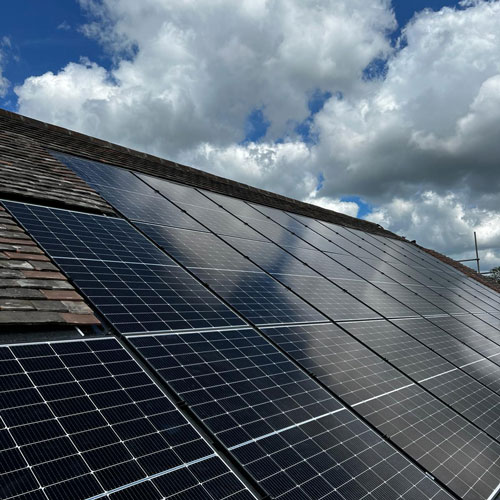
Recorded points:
(83, 420)
(275, 260)
(478, 324)
(377, 299)
(345, 365)
(254, 294)
(131, 282)
(178, 193)
(221, 222)
(98, 174)
(328, 298)
(195, 249)
(468, 336)
(452, 385)
(452, 449)
(409, 297)
(258, 298)
(290, 434)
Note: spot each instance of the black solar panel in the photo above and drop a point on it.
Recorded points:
(83, 420)
(328, 298)
(375, 298)
(291, 435)
(452, 384)
(195, 249)
(221, 222)
(454, 451)
(258, 297)
(99, 174)
(131, 282)
(337, 359)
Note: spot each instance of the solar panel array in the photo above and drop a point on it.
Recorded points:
(325, 362)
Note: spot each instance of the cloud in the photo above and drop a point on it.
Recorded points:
(418, 141)
(65, 26)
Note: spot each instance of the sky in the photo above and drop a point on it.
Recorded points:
(388, 111)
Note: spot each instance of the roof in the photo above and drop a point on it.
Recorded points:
(167, 333)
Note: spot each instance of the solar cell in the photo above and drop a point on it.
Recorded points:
(411, 298)
(439, 439)
(67, 234)
(236, 382)
(89, 423)
(221, 222)
(291, 435)
(151, 209)
(131, 282)
(99, 174)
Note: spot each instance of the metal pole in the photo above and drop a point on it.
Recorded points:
(477, 254)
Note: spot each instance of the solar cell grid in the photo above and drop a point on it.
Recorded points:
(342, 363)
(221, 222)
(65, 234)
(88, 421)
(328, 298)
(195, 249)
(410, 298)
(464, 393)
(289, 433)
(140, 298)
(409, 355)
(258, 297)
(336, 456)
(491, 320)
(468, 336)
(274, 259)
(483, 327)
(438, 298)
(294, 226)
(435, 338)
(332, 234)
(237, 207)
(359, 245)
(443, 442)
(475, 297)
(100, 174)
(151, 209)
(236, 382)
(370, 295)
(177, 193)
(277, 234)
